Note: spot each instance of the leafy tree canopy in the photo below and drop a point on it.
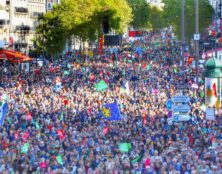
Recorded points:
(141, 12)
(156, 18)
(51, 36)
(172, 15)
(83, 18)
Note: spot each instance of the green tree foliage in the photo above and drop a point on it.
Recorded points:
(172, 15)
(118, 12)
(75, 12)
(51, 36)
(156, 18)
(122, 16)
(140, 11)
(82, 18)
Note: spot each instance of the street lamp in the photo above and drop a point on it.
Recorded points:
(182, 31)
(196, 37)
(183, 36)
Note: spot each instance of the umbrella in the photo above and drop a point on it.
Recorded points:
(195, 86)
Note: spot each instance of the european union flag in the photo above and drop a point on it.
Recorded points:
(3, 112)
(110, 112)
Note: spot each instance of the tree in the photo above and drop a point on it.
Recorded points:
(82, 18)
(172, 14)
(118, 13)
(121, 16)
(51, 36)
(75, 12)
(156, 18)
(140, 11)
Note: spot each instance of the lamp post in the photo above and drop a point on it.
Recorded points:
(182, 31)
(183, 38)
(197, 37)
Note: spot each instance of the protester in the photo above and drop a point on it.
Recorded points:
(55, 126)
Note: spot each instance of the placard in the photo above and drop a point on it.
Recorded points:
(181, 99)
(210, 114)
(181, 108)
(181, 117)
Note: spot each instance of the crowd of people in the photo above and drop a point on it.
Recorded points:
(48, 131)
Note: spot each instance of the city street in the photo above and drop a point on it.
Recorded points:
(99, 100)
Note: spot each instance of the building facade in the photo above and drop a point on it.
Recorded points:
(50, 3)
(18, 21)
(214, 3)
(4, 22)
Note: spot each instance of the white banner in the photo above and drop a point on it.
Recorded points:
(210, 114)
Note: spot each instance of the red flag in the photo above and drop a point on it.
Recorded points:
(84, 141)
(92, 77)
(101, 45)
(132, 33)
(106, 80)
(66, 102)
(105, 130)
(144, 65)
(51, 69)
(144, 119)
(147, 163)
(61, 134)
(101, 72)
(215, 89)
(50, 127)
(155, 91)
(190, 139)
(190, 60)
(16, 135)
(43, 165)
(25, 136)
(5, 144)
(37, 72)
(29, 116)
(213, 33)
(212, 139)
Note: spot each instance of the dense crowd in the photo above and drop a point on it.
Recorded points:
(66, 133)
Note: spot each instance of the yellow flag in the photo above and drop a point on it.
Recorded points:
(218, 104)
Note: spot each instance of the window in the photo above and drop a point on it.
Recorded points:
(49, 6)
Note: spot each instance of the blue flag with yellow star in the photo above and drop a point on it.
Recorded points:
(110, 112)
(3, 112)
